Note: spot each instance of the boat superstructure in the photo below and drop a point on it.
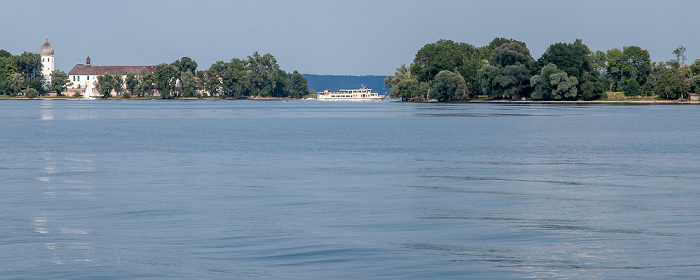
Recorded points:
(362, 94)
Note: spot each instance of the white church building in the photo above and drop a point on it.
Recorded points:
(84, 76)
(47, 60)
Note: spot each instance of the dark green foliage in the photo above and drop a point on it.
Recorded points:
(29, 65)
(589, 86)
(508, 72)
(132, 83)
(488, 79)
(299, 86)
(31, 93)
(574, 58)
(403, 84)
(671, 86)
(632, 88)
(6, 70)
(636, 63)
(514, 78)
(146, 83)
(59, 82)
(258, 76)
(511, 54)
(461, 58)
(185, 64)
(187, 85)
(449, 86)
(553, 83)
(695, 67)
(106, 84)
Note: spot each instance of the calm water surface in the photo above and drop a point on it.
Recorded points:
(313, 190)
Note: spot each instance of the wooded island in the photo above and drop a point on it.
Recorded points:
(256, 76)
(505, 70)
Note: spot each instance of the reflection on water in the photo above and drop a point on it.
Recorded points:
(237, 189)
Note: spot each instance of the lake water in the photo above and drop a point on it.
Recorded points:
(312, 190)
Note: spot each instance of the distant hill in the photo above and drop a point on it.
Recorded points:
(320, 83)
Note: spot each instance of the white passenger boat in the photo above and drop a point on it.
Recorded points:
(363, 94)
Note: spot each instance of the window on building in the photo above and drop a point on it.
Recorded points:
(74, 78)
(88, 78)
(78, 78)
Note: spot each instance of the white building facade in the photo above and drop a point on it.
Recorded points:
(47, 60)
(84, 76)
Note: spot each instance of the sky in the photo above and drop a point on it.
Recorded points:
(364, 37)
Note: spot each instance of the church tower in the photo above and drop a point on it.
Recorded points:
(47, 60)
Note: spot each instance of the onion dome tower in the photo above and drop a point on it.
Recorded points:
(47, 60)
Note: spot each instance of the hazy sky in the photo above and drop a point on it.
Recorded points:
(371, 37)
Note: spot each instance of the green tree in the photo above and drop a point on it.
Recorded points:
(403, 84)
(575, 59)
(513, 79)
(299, 85)
(636, 63)
(446, 55)
(188, 84)
(29, 65)
(233, 77)
(16, 83)
(186, 64)
(132, 83)
(260, 74)
(590, 88)
(695, 82)
(449, 86)
(107, 83)
(59, 82)
(680, 55)
(553, 83)
(165, 79)
(146, 83)
(489, 77)
(614, 59)
(212, 84)
(6, 70)
(511, 54)
(563, 86)
(671, 86)
(695, 67)
(632, 88)
(507, 73)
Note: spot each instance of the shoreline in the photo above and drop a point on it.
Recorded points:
(648, 102)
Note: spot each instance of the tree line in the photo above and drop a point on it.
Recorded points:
(20, 74)
(504, 69)
(256, 76)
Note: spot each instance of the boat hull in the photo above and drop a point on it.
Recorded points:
(350, 99)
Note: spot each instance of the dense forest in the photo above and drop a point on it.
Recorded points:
(504, 69)
(256, 76)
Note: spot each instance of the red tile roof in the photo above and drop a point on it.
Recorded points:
(81, 69)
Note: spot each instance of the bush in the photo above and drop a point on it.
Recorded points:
(126, 95)
(31, 93)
